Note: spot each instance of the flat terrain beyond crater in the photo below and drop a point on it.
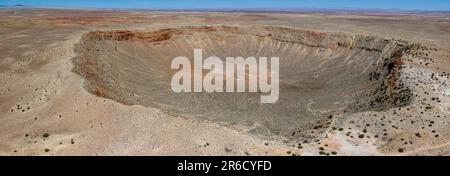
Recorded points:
(97, 82)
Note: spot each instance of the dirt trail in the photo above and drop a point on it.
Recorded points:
(350, 84)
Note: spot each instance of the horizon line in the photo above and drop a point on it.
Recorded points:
(304, 9)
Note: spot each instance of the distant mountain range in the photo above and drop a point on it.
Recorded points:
(17, 5)
(257, 10)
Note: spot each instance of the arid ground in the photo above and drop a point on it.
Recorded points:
(97, 82)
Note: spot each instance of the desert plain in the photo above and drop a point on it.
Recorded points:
(97, 82)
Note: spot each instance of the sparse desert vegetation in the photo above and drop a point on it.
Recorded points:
(96, 82)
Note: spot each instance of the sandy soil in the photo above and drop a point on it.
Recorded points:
(385, 93)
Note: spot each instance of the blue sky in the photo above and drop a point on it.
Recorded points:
(430, 5)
